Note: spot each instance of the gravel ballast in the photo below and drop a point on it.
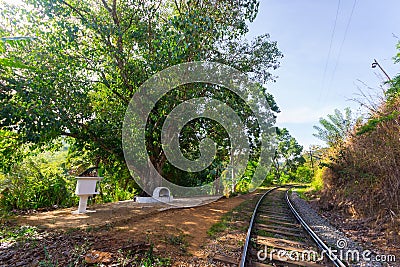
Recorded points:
(346, 248)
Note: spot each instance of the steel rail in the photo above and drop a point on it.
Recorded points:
(253, 217)
(325, 249)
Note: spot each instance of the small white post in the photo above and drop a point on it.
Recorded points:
(85, 187)
(83, 203)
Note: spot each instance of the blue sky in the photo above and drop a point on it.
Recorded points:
(310, 85)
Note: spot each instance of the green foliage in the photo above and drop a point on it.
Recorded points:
(285, 178)
(12, 151)
(16, 234)
(217, 227)
(89, 58)
(241, 187)
(270, 179)
(394, 89)
(317, 182)
(39, 181)
(242, 184)
(304, 174)
(12, 62)
(226, 219)
(150, 260)
(117, 183)
(48, 261)
(372, 123)
(302, 192)
(288, 157)
(335, 129)
(378, 118)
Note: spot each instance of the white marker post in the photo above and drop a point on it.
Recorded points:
(85, 187)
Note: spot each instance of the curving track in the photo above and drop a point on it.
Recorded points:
(278, 236)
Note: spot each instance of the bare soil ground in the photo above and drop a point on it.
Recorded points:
(123, 234)
(131, 234)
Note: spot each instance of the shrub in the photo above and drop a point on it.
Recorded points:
(304, 174)
(317, 182)
(36, 183)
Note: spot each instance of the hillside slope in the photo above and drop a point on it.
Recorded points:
(363, 178)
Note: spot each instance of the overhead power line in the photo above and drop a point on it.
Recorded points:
(344, 38)
(330, 49)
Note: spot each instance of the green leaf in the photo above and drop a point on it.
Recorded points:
(13, 63)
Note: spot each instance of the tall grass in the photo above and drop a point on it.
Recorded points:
(364, 173)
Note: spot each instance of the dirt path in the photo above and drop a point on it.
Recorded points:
(109, 213)
(192, 223)
(178, 234)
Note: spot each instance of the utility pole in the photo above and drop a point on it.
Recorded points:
(375, 63)
(312, 161)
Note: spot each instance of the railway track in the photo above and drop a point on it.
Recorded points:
(278, 236)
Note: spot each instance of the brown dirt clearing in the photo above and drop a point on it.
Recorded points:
(176, 233)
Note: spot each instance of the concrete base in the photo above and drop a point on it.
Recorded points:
(153, 200)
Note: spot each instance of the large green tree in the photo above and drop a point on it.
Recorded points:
(288, 156)
(88, 58)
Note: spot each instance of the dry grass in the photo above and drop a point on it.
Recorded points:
(364, 174)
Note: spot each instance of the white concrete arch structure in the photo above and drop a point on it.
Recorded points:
(160, 194)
